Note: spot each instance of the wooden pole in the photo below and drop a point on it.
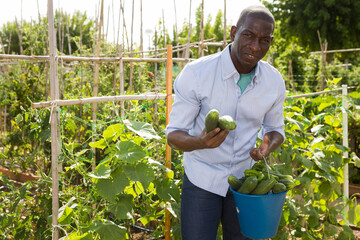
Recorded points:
(131, 49)
(345, 141)
(187, 50)
(225, 23)
(141, 31)
(96, 76)
(201, 46)
(55, 133)
(169, 65)
(68, 33)
(176, 29)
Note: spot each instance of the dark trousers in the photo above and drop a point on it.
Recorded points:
(202, 211)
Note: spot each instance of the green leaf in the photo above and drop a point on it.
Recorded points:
(146, 219)
(128, 151)
(166, 190)
(325, 188)
(99, 144)
(102, 170)
(66, 212)
(323, 165)
(354, 94)
(330, 229)
(70, 124)
(313, 219)
(113, 131)
(77, 236)
(354, 157)
(123, 206)
(324, 105)
(3, 156)
(285, 157)
(332, 121)
(304, 161)
(142, 129)
(141, 173)
(109, 188)
(109, 230)
(18, 118)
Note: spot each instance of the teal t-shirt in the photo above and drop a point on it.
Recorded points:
(245, 79)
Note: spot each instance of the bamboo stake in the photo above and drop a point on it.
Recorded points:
(107, 24)
(169, 65)
(148, 96)
(131, 48)
(176, 31)
(1, 124)
(3, 51)
(225, 31)
(163, 23)
(201, 46)
(323, 47)
(62, 34)
(20, 37)
(187, 51)
(345, 141)
(91, 59)
(113, 18)
(155, 80)
(141, 31)
(124, 26)
(68, 33)
(9, 43)
(55, 134)
(122, 82)
(96, 77)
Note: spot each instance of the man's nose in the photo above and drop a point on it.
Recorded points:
(255, 44)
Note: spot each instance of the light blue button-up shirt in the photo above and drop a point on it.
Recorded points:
(210, 83)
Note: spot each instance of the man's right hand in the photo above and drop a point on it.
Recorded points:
(183, 141)
(214, 138)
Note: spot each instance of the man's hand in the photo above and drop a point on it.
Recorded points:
(183, 141)
(271, 141)
(213, 139)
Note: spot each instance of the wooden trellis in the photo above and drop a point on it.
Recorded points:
(53, 58)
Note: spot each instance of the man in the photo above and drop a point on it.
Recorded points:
(255, 102)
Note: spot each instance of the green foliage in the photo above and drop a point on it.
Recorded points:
(313, 153)
(334, 20)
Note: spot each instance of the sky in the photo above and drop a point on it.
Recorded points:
(153, 11)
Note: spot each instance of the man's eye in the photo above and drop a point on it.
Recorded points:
(266, 40)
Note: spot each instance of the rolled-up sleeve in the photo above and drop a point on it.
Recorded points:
(274, 118)
(186, 105)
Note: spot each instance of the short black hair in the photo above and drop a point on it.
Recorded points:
(257, 10)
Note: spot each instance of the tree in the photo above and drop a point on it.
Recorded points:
(337, 21)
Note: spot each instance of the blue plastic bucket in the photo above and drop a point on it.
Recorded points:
(259, 215)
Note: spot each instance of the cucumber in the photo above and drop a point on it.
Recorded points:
(290, 184)
(251, 172)
(227, 122)
(264, 187)
(234, 182)
(211, 120)
(259, 166)
(279, 188)
(249, 185)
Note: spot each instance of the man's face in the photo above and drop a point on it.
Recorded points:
(250, 43)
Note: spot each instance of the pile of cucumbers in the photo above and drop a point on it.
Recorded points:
(259, 181)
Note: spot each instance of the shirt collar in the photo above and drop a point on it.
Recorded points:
(228, 68)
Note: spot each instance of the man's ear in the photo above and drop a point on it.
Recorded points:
(233, 33)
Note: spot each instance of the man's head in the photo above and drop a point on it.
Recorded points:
(252, 37)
